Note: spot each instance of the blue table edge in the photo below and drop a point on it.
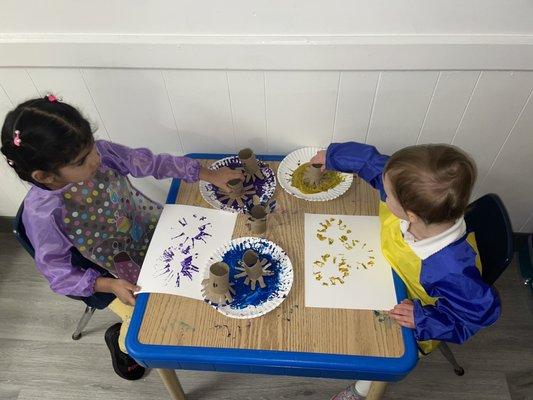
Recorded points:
(268, 361)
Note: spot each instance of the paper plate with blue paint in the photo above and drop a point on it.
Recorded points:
(248, 303)
(263, 188)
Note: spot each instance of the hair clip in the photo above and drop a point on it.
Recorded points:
(51, 98)
(11, 162)
(16, 139)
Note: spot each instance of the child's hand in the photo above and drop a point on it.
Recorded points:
(320, 158)
(124, 291)
(404, 314)
(220, 177)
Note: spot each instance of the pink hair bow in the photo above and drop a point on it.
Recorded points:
(16, 139)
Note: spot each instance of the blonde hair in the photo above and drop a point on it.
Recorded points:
(434, 181)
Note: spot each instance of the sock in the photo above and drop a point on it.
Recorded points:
(363, 387)
(124, 312)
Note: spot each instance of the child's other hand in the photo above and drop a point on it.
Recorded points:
(220, 177)
(404, 314)
(320, 158)
(124, 291)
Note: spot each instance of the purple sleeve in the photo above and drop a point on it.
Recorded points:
(142, 162)
(42, 221)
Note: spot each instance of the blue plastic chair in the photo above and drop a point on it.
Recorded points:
(489, 220)
(97, 301)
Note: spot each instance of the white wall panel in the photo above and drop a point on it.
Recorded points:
(354, 105)
(201, 106)
(134, 107)
(247, 95)
(300, 109)
(17, 85)
(182, 111)
(511, 175)
(270, 17)
(451, 96)
(495, 105)
(400, 106)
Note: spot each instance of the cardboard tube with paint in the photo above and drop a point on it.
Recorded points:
(257, 221)
(314, 174)
(253, 267)
(217, 288)
(248, 160)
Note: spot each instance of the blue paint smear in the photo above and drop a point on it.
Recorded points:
(244, 295)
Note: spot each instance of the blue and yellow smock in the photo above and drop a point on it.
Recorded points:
(451, 301)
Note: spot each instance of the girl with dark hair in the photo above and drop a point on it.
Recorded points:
(81, 197)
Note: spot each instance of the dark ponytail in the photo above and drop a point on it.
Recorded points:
(52, 134)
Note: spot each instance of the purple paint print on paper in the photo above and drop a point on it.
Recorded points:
(178, 259)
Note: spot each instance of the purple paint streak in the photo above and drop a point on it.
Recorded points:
(168, 255)
(200, 237)
(187, 267)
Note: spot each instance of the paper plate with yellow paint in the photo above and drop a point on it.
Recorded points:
(292, 173)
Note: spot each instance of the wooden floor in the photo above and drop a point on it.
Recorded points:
(39, 360)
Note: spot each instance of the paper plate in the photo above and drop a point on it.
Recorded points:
(298, 157)
(248, 303)
(264, 188)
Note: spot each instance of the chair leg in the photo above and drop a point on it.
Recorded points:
(87, 314)
(447, 353)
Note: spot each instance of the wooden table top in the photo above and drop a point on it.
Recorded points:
(179, 321)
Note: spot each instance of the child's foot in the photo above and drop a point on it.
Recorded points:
(348, 394)
(125, 366)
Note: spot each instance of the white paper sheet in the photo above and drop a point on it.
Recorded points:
(344, 265)
(183, 241)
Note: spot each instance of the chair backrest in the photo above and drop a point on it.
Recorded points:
(98, 300)
(20, 232)
(488, 219)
